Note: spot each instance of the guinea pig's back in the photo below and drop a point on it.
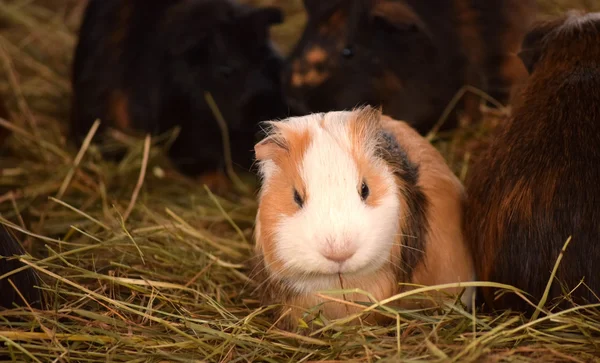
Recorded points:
(534, 188)
(536, 185)
(446, 258)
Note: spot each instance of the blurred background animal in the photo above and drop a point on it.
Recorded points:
(144, 66)
(536, 185)
(10, 247)
(409, 56)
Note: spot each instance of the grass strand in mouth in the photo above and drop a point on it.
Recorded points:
(181, 292)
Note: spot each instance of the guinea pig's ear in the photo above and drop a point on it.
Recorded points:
(269, 147)
(532, 44)
(395, 18)
(367, 123)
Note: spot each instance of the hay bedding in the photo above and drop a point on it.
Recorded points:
(140, 264)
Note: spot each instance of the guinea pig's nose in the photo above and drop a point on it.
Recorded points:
(339, 255)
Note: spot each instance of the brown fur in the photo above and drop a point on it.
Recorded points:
(536, 184)
(447, 258)
(491, 32)
(410, 56)
(119, 110)
(432, 227)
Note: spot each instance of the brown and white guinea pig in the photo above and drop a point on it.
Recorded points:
(354, 199)
(537, 183)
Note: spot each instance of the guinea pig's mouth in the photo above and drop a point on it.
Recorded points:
(311, 282)
(345, 270)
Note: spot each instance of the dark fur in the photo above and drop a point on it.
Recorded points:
(395, 64)
(25, 280)
(432, 54)
(4, 132)
(537, 184)
(491, 33)
(162, 56)
(415, 231)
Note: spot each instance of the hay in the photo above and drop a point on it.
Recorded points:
(141, 264)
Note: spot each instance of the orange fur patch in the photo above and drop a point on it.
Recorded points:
(119, 110)
(335, 24)
(279, 200)
(448, 258)
(316, 55)
(311, 78)
(315, 78)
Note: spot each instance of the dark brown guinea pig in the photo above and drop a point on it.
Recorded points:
(365, 52)
(409, 56)
(145, 65)
(537, 184)
(25, 280)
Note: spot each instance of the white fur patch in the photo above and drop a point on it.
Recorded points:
(334, 216)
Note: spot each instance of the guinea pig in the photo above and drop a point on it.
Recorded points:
(25, 280)
(410, 57)
(379, 53)
(535, 186)
(144, 66)
(354, 199)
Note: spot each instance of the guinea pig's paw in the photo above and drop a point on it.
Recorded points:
(216, 181)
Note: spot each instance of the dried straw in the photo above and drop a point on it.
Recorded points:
(140, 264)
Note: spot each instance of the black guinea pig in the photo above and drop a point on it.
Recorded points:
(145, 66)
(536, 185)
(411, 56)
(25, 280)
(4, 114)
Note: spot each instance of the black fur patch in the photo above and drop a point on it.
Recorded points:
(416, 227)
(24, 280)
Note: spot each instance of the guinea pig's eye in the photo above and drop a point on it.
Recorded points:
(364, 191)
(347, 52)
(298, 199)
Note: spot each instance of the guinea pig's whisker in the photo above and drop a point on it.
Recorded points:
(404, 235)
(411, 248)
(396, 265)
